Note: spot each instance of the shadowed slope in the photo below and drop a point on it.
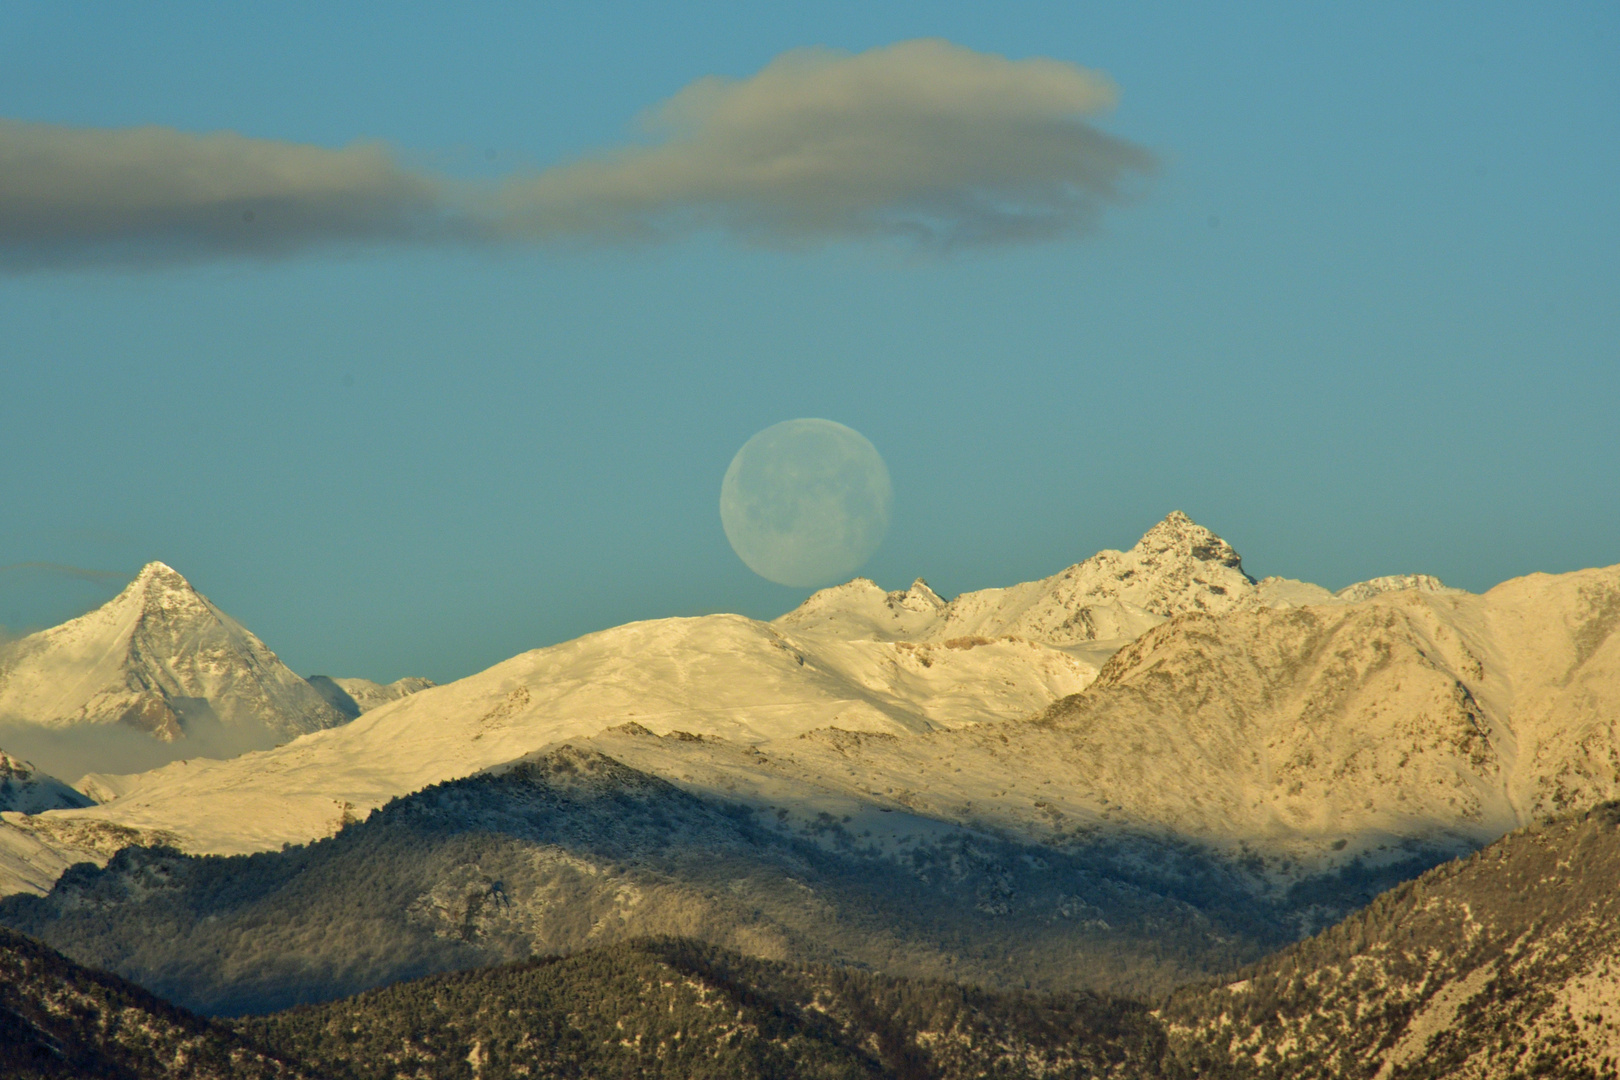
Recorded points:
(58, 1019)
(569, 849)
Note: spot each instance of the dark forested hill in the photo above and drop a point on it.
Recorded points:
(679, 1008)
(1505, 964)
(1501, 966)
(59, 1019)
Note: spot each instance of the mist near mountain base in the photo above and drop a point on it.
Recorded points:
(70, 753)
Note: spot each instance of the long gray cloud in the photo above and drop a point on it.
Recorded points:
(922, 142)
(154, 195)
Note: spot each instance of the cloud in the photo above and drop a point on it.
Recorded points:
(69, 753)
(38, 594)
(70, 196)
(923, 142)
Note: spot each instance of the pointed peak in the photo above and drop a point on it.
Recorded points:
(15, 768)
(158, 578)
(1181, 533)
(160, 587)
(1176, 524)
(161, 572)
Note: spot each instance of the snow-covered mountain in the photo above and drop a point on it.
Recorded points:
(855, 659)
(161, 659)
(1307, 737)
(719, 675)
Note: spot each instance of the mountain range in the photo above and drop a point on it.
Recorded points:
(1128, 780)
(851, 658)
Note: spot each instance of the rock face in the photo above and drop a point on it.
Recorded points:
(26, 790)
(161, 659)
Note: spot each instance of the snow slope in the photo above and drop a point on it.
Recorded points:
(716, 675)
(1309, 735)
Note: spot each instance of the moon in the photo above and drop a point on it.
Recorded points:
(806, 502)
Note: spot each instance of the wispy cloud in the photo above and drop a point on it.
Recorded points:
(923, 142)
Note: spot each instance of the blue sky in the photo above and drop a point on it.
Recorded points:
(1362, 319)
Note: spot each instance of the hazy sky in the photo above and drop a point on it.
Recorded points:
(437, 346)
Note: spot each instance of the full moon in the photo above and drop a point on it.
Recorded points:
(806, 502)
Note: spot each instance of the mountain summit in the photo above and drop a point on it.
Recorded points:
(160, 658)
(1177, 566)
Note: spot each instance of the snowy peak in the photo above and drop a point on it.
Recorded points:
(160, 577)
(1366, 590)
(1178, 538)
(918, 598)
(1178, 566)
(159, 657)
(159, 591)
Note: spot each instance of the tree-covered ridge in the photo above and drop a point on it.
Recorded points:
(572, 849)
(1501, 966)
(59, 1019)
(679, 1008)
(1505, 964)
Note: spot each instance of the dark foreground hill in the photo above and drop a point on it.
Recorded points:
(58, 1019)
(1504, 964)
(1501, 966)
(679, 1008)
